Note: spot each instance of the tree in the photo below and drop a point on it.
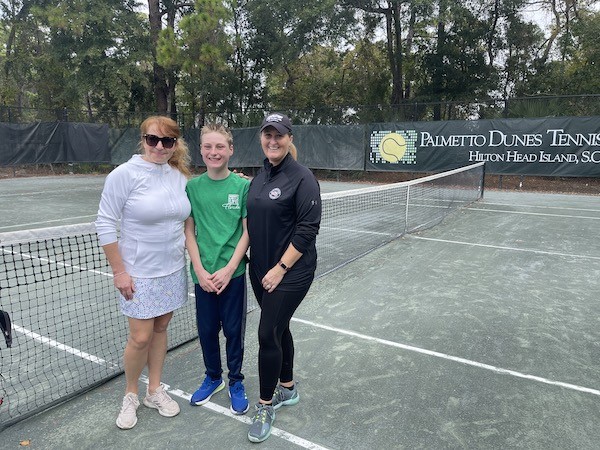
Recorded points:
(165, 82)
(453, 64)
(583, 70)
(19, 38)
(401, 20)
(367, 80)
(76, 54)
(199, 55)
(159, 79)
(329, 84)
(522, 44)
(576, 72)
(283, 32)
(247, 93)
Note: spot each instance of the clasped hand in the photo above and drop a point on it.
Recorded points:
(216, 282)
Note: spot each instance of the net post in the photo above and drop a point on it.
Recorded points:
(406, 210)
(482, 182)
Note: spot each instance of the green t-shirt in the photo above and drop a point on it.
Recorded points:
(218, 207)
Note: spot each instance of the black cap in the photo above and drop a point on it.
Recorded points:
(280, 122)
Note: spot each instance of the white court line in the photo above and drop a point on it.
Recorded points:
(534, 213)
(52, 343)
(62, 191)
(241, 418)
(352, 230)
(567, 208)
(500, 247)
(468, 362)
(177, 392)
(47, 221)
(298, 440)
(58, 263)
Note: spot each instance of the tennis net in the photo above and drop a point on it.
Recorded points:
(68, 334)
(358, 221)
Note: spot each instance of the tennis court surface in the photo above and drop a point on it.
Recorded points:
(481, 332)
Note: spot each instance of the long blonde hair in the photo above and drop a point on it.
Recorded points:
(180, 159)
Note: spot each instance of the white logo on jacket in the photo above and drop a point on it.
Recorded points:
(275, 194)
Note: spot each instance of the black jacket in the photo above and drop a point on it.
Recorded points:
(284, 205)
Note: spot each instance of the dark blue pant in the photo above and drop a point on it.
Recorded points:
(225, 311)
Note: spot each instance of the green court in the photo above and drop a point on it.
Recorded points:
(481, 332)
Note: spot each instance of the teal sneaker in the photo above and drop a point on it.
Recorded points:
(285, 396)
(262, 422)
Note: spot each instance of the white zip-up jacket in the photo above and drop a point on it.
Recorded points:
(150, 202)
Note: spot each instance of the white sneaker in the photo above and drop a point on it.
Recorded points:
(160, 400)
(127, 417)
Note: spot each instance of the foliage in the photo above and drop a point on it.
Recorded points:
(327, 61)
(76, 54)
(283, 32)
(198, 53)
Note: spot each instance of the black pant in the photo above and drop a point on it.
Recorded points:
(276, 346)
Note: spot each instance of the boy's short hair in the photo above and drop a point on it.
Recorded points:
(213, 127)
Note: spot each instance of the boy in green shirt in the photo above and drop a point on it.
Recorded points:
(217, 241)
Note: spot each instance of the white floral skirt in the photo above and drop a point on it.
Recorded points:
(154, 297)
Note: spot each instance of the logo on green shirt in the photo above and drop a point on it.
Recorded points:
(233, 202)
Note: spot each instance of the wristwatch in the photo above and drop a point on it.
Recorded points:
(283, 266)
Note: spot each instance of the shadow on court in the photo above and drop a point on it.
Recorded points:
(479, 333)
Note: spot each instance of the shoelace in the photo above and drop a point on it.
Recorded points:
(128, 405)
(206, 383)
(278, 395)
(261, 414)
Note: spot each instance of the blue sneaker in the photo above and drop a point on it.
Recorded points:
(239, 401)
(262, 422)
(208, 388)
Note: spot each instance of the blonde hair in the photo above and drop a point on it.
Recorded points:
(293, 151)
(217, 128)
(180, 159)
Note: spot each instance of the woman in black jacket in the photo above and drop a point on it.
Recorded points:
(284, 214)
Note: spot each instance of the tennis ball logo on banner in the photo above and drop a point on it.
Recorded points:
(393, 147)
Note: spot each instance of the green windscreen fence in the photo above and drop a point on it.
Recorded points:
(555, 146)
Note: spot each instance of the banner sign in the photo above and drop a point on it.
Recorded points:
(558, 146)
(562, 146)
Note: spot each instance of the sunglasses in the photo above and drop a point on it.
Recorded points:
(167, 142)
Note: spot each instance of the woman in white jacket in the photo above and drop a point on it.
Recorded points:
(147, 195)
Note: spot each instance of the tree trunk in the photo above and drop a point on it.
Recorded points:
(438, 79)
(397, 71)
(159, 81)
